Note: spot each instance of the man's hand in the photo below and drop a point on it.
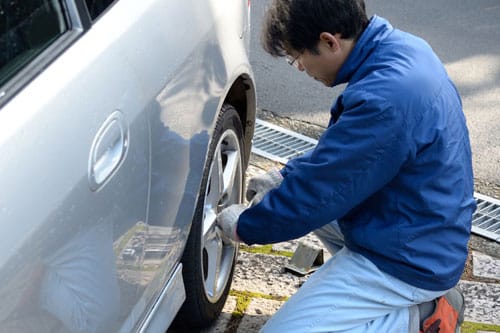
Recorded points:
(227, 220)
(258, 186)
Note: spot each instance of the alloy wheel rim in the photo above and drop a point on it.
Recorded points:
(224, 188)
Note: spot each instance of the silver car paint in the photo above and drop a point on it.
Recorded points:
(164, 67)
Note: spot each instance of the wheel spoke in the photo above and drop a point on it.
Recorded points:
(213, 247)
(213, 195)
(231, 171)
(209, 222)
(215, 181)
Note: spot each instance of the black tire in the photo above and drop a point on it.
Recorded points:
(203, 304)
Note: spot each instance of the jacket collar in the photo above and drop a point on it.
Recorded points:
(377, 29)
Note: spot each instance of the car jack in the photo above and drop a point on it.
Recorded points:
(305, 260)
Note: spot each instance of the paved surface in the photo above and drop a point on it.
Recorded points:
(261, 283)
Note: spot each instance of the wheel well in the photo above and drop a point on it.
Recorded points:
(242, 97)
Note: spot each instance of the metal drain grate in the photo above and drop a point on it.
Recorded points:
(486, 218)
(279, 144)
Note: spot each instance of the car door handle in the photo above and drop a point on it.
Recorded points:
(108, 150)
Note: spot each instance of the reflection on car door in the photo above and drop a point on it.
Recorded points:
(184, 100)
(74, 150)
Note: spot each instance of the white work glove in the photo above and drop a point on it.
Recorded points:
(227, 220)
(258, 186)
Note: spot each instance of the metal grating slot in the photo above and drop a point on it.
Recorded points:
(279, 144)
(486, 218)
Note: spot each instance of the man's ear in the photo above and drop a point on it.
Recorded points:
(330, 40)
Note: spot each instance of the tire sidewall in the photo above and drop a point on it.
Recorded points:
(198, 309)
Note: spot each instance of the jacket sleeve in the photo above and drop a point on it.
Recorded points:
(354, 158)
(292, 164)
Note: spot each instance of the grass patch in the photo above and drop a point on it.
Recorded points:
(265, 249)
(469, 327)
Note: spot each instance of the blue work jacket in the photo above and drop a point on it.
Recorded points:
(393, 166)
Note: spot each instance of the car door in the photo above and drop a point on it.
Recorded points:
(198, 47)
(177, 51)
(74, 155)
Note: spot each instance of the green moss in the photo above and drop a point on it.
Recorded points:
(242, 302)
(265, 249)
(251, 294)
(243, 299)
(469, 327)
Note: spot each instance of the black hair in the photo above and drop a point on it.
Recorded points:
(296, 24)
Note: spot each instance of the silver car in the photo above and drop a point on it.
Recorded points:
(125, 126)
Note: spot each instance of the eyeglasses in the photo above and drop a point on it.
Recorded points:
(292, 61)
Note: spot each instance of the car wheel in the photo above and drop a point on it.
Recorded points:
(209, 257)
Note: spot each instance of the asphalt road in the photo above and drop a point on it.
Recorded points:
(464, 33)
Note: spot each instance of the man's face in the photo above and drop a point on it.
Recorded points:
(324, 65)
